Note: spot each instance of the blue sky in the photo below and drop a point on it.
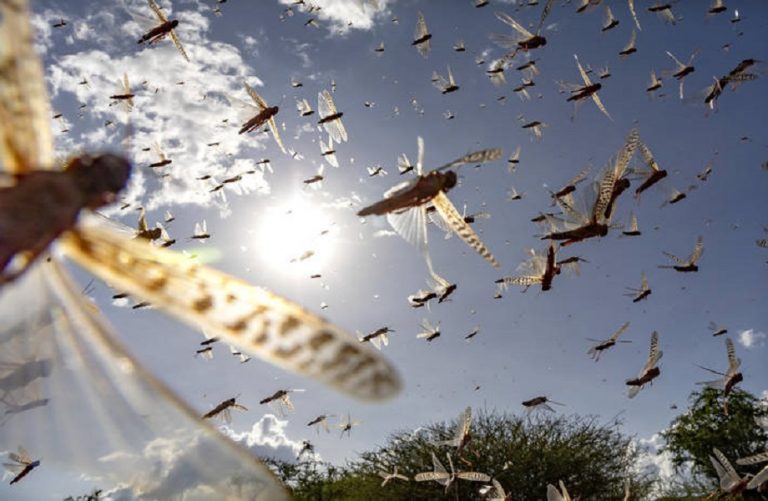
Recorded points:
(529, 344)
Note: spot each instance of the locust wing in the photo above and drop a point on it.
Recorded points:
(462, 229)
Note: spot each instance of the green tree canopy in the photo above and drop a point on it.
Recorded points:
(593, 459)
(692, 435)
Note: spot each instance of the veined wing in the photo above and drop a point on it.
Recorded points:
(600, 105)
(507, 19)
(544, 13)
(733, 361)
(412, 226)
(474, 476)
(476, 157)
(728, 476)
(462, 229)
(256, 97)
(438, 476)
(325, 104)
(761, 457)
(106, 415)
(648, 157)
(654, 355)
(250, 318)
(584, 76)
(619, 332)
(326, 107)
(177, 43)
(697, 251)
(158, 11)
(26, 142)
(276, 134)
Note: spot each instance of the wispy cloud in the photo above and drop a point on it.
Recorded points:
(340, 16)
(178, 461)
(181, 105)
(751, 339)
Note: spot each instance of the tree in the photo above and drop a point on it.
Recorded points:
(692, 435)
(523, 454)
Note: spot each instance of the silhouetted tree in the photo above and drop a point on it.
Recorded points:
(692, 435)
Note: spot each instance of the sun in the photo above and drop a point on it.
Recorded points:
(298, 236)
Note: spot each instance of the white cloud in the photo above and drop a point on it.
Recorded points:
(751, 339)
(181, 105)
(189, 467)
(267, 438)
(343, 15)
(654, 463)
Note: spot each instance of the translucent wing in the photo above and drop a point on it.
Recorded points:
(553, 494)
(762, 476)
(648, 157)
(462, 229)
(619, 332)
(276, 134)
(476, 157)
(584, 76)
(326, 107)
(506, 19)
(655, 354)
(256, 97)
(177, 43)
(634, 14)
(466, 422)
(106, 416)
(158, 11)
(733, 361)
(441, 477)
(728, 476)
(411, 224)
(250, 318)
(26, 142)
(757, 458)
(421, 33)
(697, 251)
(644, 282)
(420, 156)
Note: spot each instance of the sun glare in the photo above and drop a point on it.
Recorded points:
(297, 236)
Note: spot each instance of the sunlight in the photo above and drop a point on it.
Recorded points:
(298, 236)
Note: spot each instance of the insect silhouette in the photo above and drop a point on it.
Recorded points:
(223, 410)
(589, 89)
(538, 403)
(603, 345)
(730, 481)
(732, 377)
(330, 117)
(165, 28)
(641, 293)
(442, 477)
(649, 371)
(689, 265)
(525, 40)
(266, 115)
(124, 95)
(391, 476)
(21, 464)
(405, 204)
(58, 322)
(422, 37)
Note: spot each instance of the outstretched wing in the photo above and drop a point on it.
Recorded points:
(26, 142)
(697, 251)
(256, 97)
(733, 361)
(158, 11)
(476, 157)
(507, 19)
(105, 415)
(177, 43)
(655, 354)
(619, 332)
(584, 76)
(462, 229)
(276, 134)
(250, 318)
